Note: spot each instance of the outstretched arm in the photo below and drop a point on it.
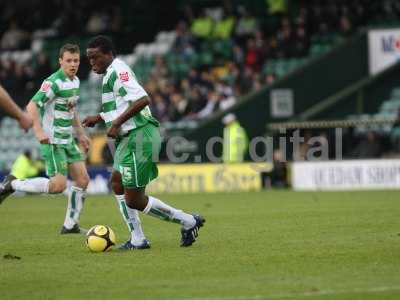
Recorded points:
(12, 109)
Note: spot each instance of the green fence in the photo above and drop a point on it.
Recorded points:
(362, 97)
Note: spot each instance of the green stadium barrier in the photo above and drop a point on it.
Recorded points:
(364, 96)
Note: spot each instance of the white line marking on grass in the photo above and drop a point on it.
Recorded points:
(326, 292)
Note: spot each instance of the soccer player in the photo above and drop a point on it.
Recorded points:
(9, 106)
(126, 113)
(52, 110)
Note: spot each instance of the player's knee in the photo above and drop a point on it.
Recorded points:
(116, 186)
(57, 186)
(130, 203)
(83, 182)
(136, 201)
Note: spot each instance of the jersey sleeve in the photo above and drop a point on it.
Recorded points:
(47, 92)
(127, 87)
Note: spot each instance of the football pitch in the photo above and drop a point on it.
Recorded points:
(266, 245)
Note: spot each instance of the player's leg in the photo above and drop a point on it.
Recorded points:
(76, 197)
(57, 184)
(130, 216)
(152, 206)
(138, 168)
(137, 199)
(134, 159)
(55, 162)
(77, 193)
(54, 185)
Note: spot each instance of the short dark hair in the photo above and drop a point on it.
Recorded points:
(102, 42)
(28, 154)
(72, 48)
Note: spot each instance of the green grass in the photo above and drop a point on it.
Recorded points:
(269, 245)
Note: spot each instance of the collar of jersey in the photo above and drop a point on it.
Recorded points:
(112, 65)
(62, 75)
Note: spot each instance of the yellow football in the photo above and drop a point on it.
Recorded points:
(100, 238)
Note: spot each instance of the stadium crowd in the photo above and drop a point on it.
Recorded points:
(241, 45)
(212, 87)
(54, 18)
(208, 86)
(23, 79)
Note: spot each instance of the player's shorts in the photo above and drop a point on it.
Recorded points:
(57, 157)
(136, 156)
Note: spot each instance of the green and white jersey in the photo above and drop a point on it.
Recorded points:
(56, 100)
(120, 90)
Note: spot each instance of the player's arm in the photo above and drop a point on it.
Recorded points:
(37, 127)
(135, 108)
(12, 109)
(84, 140)
(132, 92)
(91, 121)
(46, 93)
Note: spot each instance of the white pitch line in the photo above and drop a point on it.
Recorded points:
(326, 292)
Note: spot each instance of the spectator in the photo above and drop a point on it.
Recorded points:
(245, 80)
(25, 166)
(270, 79)
(43, 68)
(159, 108)
(211, 106)
(232, 74)
(246, 26)
(276, 6)
(261, 46)
(184, 42)
(345, 26)
(160, 69)
(179, 107)
(278, 176)
(301, 42)
(202, 26)
(238, 56)
(257, 85)
(223, 28)
(300, 149)
(369, 147)
(193, 77)
(197, 101)
(206, 82)
(13, 38)
(285, 41)
(253, 57)
(235, 140)
(97, 23)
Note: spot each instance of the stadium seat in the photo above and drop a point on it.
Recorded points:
(396, 93)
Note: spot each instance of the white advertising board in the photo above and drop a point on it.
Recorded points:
(383, 49)
(346, 175)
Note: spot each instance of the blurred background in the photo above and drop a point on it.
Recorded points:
(268, 68)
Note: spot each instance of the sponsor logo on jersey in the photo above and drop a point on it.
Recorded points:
(45, 86)
(124, 76)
